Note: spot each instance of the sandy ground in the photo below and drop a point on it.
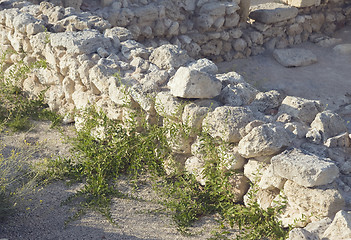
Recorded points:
(42, 216)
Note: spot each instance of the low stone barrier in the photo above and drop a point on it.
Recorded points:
(290, 147)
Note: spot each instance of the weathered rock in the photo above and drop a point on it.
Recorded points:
(227, 123)
(323, 201)
(273, 13)
(301, 234)
(264, 140)
(303, 3)
(230, 78)
(267, 100)
(195, 166)
(294, 57)
(131, 48)
(342, 140)
(193, 115)
(229, 158)
(168, 106)
(305, 169)
(318, 227)
(169, 56)
(238, 184)
(303, 109)
(238, 95)
(329, 124)
(340, 228)
(270, 180)
(191, 83)
(204, 65)
(253, 170)
(83, 42)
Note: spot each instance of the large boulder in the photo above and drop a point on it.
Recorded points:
(238, 94)
(228, 123)
(191, 83)
(264, 140)
(303, 168)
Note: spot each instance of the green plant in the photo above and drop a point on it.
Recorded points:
(16, 110)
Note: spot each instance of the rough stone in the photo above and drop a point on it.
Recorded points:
(264, 140)
(195, 166)
(301, 234)
(340, 228)
(294, 57)
(169, 56)
(238, 95)
(228, 123)
(303, 109)
(168, 106)
(273, 12)
(191, 83)
(204, 65)
(329, 124)
(343, 49)
(303, 3)
(305, 169)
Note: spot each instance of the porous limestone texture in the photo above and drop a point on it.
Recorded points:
(294, 57)
(158, 58)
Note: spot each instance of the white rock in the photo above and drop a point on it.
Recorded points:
(342, 140)
(267, 100)
(314, 203)
(168, 106)
(204, 65)
(305, 169)
(253, 170)
(264, 140)
(229, 158)
(169, 56)
(340, 228)
(301, 234)
(190, 83)
(329, 124)
(271, 180)
(230, 78)
(227, 123)
(318, 227)
(303, 109)
(294, 57)
(195, 166)
(82, 42)
(238, 95)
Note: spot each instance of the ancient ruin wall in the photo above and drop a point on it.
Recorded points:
(301, 150)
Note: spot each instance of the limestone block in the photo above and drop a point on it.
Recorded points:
(267, 100)
(168, 106)
(238, 95)
(191, 83)
(239, 45)
(304, 3)
(301, 108)
(312, 202)
(22, 22)
(99, 75)
(264, 198)
(342, 140)
(193, 116)
(273, 12)
(264, 140)
(118, 34)
(228, 123)
(318, 227)
(48, 77)
(301, 234)
(146, 14)
(230, 78)
(294, 57)
(195, 166)
(340, 228)
(305, 169)
(253, 170)
(198, 148)
(271, 180)
(83, 42)
(229, 157)
(329, 124)
(214, 9)
(178, 138)
(204, 65)
(169, 56)
(130, 48)
(238, 185)
(145, 102)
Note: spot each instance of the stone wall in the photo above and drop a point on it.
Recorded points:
(292, 148)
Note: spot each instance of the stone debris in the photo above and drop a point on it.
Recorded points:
(159, 57)
(294, 57)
